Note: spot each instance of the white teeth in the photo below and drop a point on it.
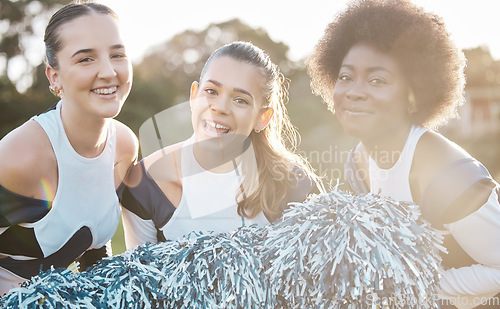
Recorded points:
(217, 126)
(105, 90)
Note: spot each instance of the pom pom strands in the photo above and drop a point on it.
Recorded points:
(132, 279)
(332, 251)
(54, 288)
(216, 271)
(129, 280)
(201, 271)
(341, 251)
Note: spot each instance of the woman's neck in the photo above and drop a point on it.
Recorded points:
(87, 135)
(216, 160)
(221, 155)
(386, 150)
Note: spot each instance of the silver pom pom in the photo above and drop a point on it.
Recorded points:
(334, 250)
(337, 250)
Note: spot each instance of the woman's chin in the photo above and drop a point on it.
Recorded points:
(355, 131)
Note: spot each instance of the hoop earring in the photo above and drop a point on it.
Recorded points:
(257, 131)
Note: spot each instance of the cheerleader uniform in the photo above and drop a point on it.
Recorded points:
(37, 234)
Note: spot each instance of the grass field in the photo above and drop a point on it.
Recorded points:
(118, 241)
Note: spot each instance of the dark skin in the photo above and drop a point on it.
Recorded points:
(371, 102)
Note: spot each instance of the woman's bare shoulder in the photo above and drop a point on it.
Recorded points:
(164, 164)
(127, 148)
(433, 153)
(26, 157)
(127, 143)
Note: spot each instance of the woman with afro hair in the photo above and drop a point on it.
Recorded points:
(391, 73)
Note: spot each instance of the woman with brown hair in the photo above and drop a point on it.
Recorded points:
(235, 170)
(60, 170)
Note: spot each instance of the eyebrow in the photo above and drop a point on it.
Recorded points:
(219, 84)
(89, 50)
(371, 69)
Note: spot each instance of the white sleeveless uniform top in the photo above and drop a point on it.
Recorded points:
(86, 194)
(394, 182)
(204, 206)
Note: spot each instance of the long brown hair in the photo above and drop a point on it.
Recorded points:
(278, 165)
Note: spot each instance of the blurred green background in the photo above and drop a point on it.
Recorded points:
(163, 77)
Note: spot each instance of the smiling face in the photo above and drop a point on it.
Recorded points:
(93, 71)
(228, 100)
(371, 94)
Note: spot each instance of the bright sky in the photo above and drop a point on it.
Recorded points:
(299, 24)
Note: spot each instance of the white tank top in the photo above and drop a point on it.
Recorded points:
(394, 182)
(208, 201)
(85, 195)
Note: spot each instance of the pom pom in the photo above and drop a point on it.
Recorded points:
(337, 250)
(216, 271)
(334, 250)
(54, 288)
(131, 279)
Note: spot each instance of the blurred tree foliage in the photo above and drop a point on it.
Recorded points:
(16, 108)
(17, 21)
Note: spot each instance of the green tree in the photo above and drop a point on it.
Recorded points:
(16, 107)
(18, 20)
